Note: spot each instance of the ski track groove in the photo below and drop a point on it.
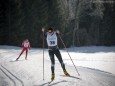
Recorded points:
(14, 79)
(22, 84)
(8, 76)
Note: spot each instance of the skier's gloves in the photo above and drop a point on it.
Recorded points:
(57, 31)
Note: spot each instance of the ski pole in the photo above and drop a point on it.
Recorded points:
(68, 54)
(43, 55)
(29, 52)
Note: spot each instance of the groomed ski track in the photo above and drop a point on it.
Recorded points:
(30, 72)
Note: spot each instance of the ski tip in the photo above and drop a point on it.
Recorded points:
(50, 82)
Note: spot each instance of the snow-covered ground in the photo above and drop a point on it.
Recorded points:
(102, 58)
(95, 65)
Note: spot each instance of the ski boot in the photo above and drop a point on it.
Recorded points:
(66, 73)
(53, 76)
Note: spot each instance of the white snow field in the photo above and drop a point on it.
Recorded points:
(95, 65)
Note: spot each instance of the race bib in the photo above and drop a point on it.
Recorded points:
(51, 39)
(26, 44)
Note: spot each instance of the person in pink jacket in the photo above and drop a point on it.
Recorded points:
(26, 46)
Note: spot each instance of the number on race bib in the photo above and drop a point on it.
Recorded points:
(52, 42)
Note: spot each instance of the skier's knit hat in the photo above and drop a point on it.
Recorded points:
(50, 30)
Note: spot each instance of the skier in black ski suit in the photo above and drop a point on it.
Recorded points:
(51, 37)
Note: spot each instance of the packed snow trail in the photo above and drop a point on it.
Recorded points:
(30, 72)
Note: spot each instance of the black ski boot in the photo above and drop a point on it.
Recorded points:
(66, 73)
(53, 76)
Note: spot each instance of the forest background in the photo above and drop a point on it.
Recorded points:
(81, 22)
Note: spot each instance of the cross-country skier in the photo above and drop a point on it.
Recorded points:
(26, 46)
(51, 37)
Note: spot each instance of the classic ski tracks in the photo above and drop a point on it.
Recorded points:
(14, 79)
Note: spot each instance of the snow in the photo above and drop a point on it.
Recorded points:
(94, 63)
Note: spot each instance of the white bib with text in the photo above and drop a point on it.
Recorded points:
(26, 44)
(52, 39)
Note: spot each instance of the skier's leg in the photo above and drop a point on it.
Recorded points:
(20, 54)
(51, 54)
(57, 53)
(26, 54)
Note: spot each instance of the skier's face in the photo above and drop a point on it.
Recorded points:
(50, 33)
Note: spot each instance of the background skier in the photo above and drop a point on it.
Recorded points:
(26, 46)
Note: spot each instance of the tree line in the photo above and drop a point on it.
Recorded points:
(81, 22)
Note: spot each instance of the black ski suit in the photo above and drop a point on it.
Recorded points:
(54, 50)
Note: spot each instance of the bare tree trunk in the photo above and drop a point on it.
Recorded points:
(76, 27)
(77, 35)
(74, 35)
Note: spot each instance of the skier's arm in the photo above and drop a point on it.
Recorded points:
(29, 45)
(58, 32)
(43, 30)
(22, 44)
